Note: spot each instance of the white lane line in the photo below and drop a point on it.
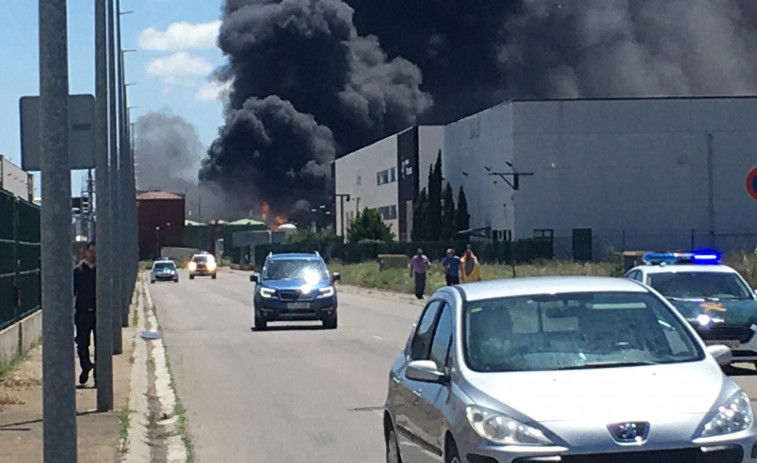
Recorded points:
(378, 337)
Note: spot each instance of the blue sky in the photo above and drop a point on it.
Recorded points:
(175, 43)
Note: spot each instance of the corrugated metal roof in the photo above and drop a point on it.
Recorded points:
(158, 195)
(246, 222)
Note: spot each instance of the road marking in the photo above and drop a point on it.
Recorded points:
(378, 337)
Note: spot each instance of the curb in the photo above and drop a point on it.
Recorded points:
(139, 445)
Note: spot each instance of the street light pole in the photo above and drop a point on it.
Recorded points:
(58, 393)
(157, 242)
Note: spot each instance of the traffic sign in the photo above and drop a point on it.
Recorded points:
(751, 182)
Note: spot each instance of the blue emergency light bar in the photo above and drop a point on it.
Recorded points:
(671, 258)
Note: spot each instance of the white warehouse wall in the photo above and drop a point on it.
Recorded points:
(472, 144)
(356, 176)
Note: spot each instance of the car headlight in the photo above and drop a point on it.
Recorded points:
(192, 266)
(734, 415)
(211, 266)
(501, 429)
(267, 292)
(326, 292)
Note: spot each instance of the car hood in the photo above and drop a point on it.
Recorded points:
(736, 313)
(609, 395)
(297, 283)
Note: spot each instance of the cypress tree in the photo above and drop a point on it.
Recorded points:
(462, 220)
(449, 226)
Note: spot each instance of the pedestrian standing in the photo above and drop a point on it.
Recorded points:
(451, 265)
(470, 269)
(85, 303)
(418, 267)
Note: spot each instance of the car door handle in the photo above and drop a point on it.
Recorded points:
(395, 380)
(417, 392)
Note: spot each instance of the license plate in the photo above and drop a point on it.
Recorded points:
(730, 344)
(298, 305)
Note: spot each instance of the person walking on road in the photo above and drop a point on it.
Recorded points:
(470, 269)
(418, 267)
(451, 265)
(84, 316)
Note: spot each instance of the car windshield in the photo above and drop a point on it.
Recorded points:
(200, 258)
(295, 270)
(163, 265)
(700, 285)
(574, 331)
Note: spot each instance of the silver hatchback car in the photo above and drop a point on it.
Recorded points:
(562, 369)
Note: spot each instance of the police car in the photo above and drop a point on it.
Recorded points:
(714, 298)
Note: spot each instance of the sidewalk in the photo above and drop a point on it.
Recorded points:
(98, 434)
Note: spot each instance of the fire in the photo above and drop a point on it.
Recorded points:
(265, 209)
(279, 220)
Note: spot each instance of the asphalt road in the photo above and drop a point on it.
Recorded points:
(296, 393)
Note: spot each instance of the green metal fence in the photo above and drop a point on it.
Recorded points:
(20, 284)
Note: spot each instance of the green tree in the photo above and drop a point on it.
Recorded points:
(435, 199)
(420, 217)
(462, 220)
(448, 214)
(368, 225)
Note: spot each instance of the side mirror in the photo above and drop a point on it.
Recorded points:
(425, 370)
(254, 277)
(337, 276)
(722, 354)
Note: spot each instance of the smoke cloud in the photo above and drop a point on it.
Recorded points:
(630, 48)
(305, 87)
(312, 79)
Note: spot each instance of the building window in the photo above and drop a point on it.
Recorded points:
(386, 176)
(388, 212)
(475, 127)
(547, 233)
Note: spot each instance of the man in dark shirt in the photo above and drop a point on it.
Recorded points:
(85, 293)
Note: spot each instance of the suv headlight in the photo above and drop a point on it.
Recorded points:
(733, 415)
(326, 292)
(267, 292)
(501, 429)
(211, 266)
(192, 266)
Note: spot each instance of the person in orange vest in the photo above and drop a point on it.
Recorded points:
(470, 268)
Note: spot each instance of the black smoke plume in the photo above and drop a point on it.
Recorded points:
(305, 87)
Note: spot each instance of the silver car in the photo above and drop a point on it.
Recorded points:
(562, 369)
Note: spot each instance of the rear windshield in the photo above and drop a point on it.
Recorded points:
(163, 265)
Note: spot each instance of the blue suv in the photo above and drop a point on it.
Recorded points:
(294, 287)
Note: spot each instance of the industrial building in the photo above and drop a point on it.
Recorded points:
(643, 173)
(161, 222)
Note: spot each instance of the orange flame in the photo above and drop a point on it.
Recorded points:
(265, 209)
(279, 220)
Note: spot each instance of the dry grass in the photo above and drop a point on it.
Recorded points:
(368, 275)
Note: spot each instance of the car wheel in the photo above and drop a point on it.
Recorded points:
(260, 323)
(330, 322)
(191, 277)
(392, 448)
(214, 276)
(450, 452)
(176, 280)
(152, 282)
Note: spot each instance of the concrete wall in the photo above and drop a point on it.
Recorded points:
(20, 337)
(356, 175)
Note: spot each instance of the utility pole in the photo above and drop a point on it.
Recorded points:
(104, 313)
(58, 392)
